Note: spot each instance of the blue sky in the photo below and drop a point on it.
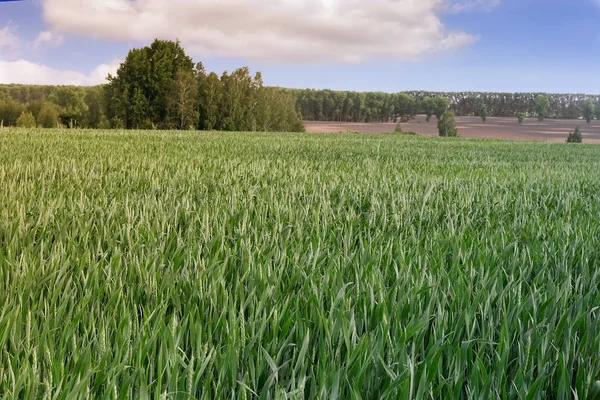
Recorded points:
(500, 45)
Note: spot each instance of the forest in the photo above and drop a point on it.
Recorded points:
(160, 87)
(346, 106)
(156, 87)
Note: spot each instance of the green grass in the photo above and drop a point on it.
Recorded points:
(280, 266)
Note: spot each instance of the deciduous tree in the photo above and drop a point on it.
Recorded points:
(542, 105)
(48, 117)
(588, 109)
(483, 112)
(183, 100)
(26, 120)
(447, 125)
(441, 106)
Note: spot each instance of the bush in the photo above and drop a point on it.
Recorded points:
(104, 123)
(48, 116)
(575, 136)
(521, 117)
(147, 125)
(26, 120)
(117, 123)
(447, 125)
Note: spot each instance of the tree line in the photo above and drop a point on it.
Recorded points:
(156, 87)
(348, 106)
(160, 87)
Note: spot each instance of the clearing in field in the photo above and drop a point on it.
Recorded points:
(214, 266)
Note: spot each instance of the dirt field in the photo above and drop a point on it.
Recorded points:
(472, 127)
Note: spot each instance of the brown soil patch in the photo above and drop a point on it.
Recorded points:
(472, 127)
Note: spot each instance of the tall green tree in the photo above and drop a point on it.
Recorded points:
(96, 108)
(211, 100)
(139, 92)
(183, 101)
(447, 125)
(428, 106)
(441, 106)
(10, 110)
(483, 112)
(542, 105)
(597, 110)
(404, 107)
(71, 105)
(48, 116)
(588, 110)
(201, 103)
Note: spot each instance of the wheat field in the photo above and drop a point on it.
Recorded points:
(178, 265)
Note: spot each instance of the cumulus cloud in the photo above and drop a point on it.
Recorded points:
(26, 72)
(284, 30)
(48, 39)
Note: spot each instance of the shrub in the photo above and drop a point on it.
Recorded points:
(147, 125)
(26, 120)
(483, 113)
(521, 117)
(447, 125)
(48, 116)
(117, 123)
(575, 136)
(104, 123)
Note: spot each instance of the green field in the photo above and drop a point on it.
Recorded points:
(296, 266)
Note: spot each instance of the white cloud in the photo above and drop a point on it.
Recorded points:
(9, 43)
(285, 30)
(474, 5)
(49, 39)
(29, 73)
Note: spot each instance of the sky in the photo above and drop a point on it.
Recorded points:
(362, 45)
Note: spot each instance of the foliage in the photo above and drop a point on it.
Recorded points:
(483, 112)
(447, 125)
(140, 89)
(327, 105)
(542, 105)
(95, 117)
(521, 117)
(588, 110)
(48, 116)
(35, 107)
(26, 120)
(215, 266)
(575, 136)
(441, 106)
(71, 105)
(183, 97)
(10, 111)
(183, 101)
(428, 107)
